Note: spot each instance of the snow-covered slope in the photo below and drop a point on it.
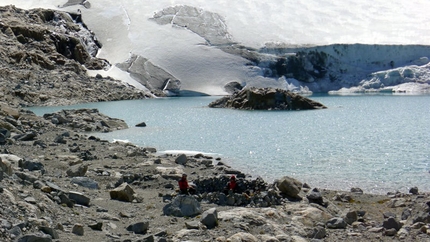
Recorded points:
(184, 45)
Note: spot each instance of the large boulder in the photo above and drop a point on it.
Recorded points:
(336, 223)
(210, 218)
(77, 170)
(139, 228)
(122, 193)
(31, 165)
(79, 198)
(183, 206)
(6, 161)
(85, 182)
(266, 99)
(181, 159)
(35, 237)
(289, 186)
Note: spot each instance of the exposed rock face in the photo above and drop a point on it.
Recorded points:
(43, 60)
(183, 205)
(266, 99)
(233, 87)
(151, 76)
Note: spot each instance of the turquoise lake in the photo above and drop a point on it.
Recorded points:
(379, 143)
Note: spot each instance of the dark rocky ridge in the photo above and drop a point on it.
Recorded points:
(154, 78)
(266, 99)
(43, 60)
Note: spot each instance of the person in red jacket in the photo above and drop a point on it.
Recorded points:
(184, 188)
(231, 185)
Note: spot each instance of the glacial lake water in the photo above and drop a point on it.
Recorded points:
(379, 143)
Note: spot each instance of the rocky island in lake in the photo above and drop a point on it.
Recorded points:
(266, 99)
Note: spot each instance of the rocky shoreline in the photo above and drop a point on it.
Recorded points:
(59, 183)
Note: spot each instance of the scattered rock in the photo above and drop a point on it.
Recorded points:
(85, 182)
(391, 223)
(210, 218)
(139, 228)
(413, 190)
(96, 226)
(77, 170)
(35, 237)
(78, 229)
(31, 165)
(6, 161)
(181, 159)
(142, 124)
(183, 206)
(314, 196)
(336, 223)
(356, 190)
(50, 231)
(350, 216)
(123, 193)
(243, 237)
(79, 198)
(289, 186)
(192, 225)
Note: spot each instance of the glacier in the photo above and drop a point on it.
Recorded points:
(335, 46)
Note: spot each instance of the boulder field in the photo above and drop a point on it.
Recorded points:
(61, 183)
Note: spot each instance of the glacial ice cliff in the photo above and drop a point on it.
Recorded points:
(312, 46)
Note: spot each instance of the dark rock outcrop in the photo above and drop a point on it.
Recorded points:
(44, 57)
(266, 99)
(151, 76)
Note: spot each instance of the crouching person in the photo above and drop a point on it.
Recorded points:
(231, 186)
(184, 187)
